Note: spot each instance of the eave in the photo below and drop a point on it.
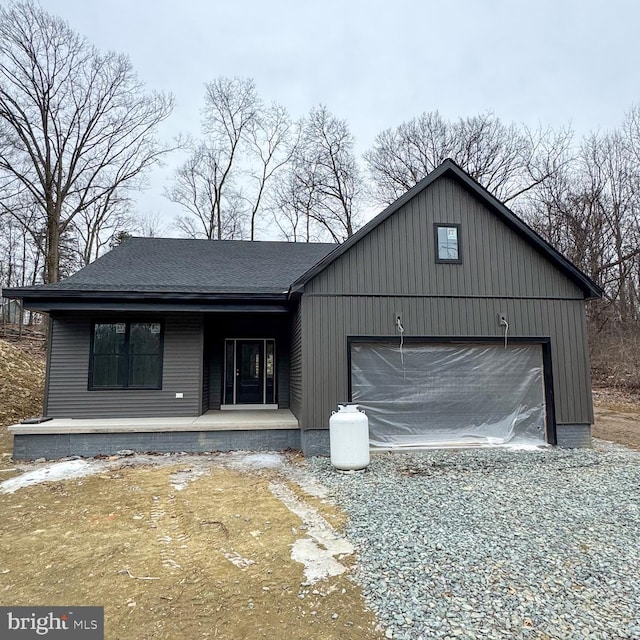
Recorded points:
(80, 300)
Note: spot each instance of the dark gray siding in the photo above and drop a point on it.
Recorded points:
(215, 364)
(67, 393)
(295, 375)
(327, 322)
(254, 325)
(398, 257)
(206, 371)
(393, 271)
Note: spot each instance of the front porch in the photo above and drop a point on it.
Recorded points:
(260, 430)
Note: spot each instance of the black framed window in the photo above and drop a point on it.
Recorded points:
(448, 246)
(126, 355)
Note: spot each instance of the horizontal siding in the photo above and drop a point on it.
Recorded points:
(328, 320)
(398, 257)
(206, 371)
(68, 396)
(295, 374)
(215, 364)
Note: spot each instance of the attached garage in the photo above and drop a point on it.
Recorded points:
(440, 393)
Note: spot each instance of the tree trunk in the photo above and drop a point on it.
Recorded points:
(52, 259)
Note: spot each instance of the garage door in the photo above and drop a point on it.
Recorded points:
(450, 394)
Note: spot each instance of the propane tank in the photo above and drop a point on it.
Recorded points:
(349, 438)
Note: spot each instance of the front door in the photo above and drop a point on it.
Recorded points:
(249, 372)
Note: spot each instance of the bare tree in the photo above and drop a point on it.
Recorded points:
(95, 226)
(591, 211)
(149, 225)
(295, 204)
(224, 183)
(75, 124)
(20, 257)
(292, 205)
(509, 161)
(318, 195)
(205, 187)
(206, 184)
(272, 143)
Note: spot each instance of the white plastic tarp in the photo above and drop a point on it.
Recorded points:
(449, 394)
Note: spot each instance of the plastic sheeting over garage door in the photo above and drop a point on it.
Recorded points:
(448, 394)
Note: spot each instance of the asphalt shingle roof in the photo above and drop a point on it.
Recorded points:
(172, 265)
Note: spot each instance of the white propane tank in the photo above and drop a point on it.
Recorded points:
(349, 438)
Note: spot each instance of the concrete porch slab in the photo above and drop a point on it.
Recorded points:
(250, 420)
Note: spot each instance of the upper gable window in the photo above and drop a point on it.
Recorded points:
(448, 247)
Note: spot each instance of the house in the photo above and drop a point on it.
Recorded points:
(446, 317)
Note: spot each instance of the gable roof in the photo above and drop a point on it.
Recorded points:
(172, 269)
(152, 267)
(450, 169)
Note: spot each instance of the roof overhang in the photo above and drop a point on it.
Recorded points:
(48, 300)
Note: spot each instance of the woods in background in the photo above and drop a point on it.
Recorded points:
(79, 135)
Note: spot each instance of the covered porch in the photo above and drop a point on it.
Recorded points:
(215, 430)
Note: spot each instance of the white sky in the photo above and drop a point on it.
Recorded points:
(377, 64)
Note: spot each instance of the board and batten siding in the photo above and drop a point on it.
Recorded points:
(329, 320)
(392, 270)
(398, 257)
(67, 385)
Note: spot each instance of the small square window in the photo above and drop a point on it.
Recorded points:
(447, 238)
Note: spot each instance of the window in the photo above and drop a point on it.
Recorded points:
(126, 355)
(448, 243)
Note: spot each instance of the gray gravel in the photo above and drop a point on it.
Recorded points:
(496, 543)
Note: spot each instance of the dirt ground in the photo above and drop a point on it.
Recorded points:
(617, 416)
(212, 560)
(21, 385)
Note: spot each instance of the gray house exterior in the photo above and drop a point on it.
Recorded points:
(282, 327)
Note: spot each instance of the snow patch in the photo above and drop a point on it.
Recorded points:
(306, 482)
(317, 551)
(181, 478)
(251, 461)
(318, 563)
(237, 560)
(51, 473)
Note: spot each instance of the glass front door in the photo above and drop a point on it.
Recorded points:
(249, 371)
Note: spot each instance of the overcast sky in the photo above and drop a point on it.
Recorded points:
(377, 64)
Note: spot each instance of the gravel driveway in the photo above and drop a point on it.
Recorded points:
(496, 543)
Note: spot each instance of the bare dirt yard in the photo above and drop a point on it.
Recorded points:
(22, 365)
(173, 547)
(184, 547)
(617, 416)
(176, 547)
